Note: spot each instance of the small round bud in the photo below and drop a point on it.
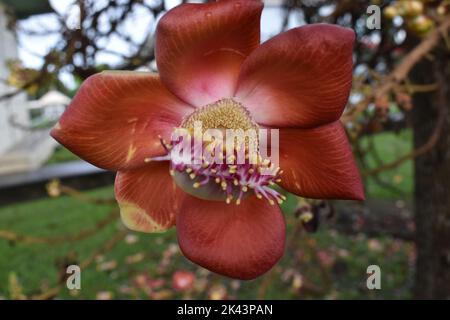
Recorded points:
(442, 10)
(412, 8)
(421, 25)
(390, 12)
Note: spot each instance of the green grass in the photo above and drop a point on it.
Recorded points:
(60, 155)
(37, 266)
(390, 146)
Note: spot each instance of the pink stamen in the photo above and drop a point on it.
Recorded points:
(232, 178)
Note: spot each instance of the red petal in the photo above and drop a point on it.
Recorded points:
(116, 117)
(318, 163)
(148, 198)
(240, 242)
(300, 78)
(200, 47)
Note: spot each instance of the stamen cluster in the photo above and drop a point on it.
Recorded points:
(233, 178)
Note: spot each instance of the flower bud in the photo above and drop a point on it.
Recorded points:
(412, 8)
(442, 10)
(421, 25)
(390, 12)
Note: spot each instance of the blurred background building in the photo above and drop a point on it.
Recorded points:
(24, 142)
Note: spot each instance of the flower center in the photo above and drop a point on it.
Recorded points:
(227, 167)
(223, 114)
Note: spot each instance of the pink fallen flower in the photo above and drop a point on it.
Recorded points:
(183, 280)
(212, 67)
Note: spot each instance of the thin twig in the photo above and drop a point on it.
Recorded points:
(400, 73)
(82, 234)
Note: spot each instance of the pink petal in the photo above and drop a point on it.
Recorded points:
(200, 47)
(300, 78)
(116, 117)
(318, 163)
(241, 242)
(148, 198)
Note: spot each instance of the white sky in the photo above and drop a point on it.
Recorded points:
(32, 47)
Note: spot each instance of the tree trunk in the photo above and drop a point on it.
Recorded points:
(432, 178)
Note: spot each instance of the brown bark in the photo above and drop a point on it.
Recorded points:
(432, 178)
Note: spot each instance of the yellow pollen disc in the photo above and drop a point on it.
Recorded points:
(222, 114)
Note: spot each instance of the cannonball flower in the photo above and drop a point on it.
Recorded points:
(213, 68)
